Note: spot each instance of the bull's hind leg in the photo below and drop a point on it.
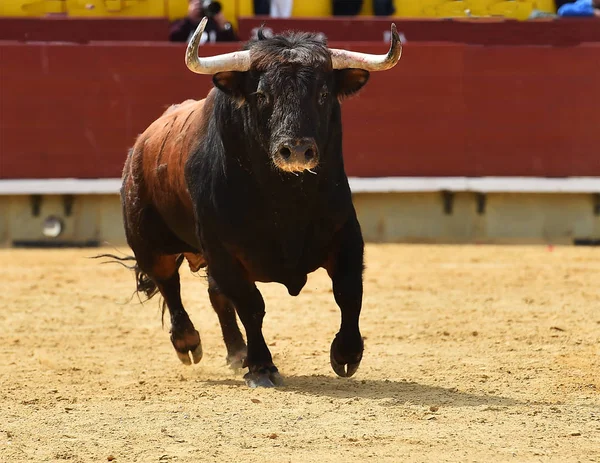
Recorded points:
(184, 337)
(164, 272)
(158, 255)
(236, 347)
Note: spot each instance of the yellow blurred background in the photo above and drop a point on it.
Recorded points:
(173, 9)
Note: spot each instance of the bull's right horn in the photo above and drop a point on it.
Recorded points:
(344, 59)
(236, 61)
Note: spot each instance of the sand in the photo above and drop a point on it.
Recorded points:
(472, 353)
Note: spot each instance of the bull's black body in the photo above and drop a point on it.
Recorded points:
(268, 198)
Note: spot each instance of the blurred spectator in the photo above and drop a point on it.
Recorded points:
(347, 7)
(281, 8)
(383, 7)
(580, 8)
(182, 29)
(353, 7)
(559, 3)
(218, 29)
(261, 7)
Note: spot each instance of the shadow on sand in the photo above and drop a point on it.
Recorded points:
(398, 392)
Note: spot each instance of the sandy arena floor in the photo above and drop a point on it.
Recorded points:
(472, 354)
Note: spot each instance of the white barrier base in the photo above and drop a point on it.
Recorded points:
(357, 184)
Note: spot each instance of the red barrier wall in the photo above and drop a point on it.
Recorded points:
(83, 30)
(482, 31)
(74, 110)
(476, 31)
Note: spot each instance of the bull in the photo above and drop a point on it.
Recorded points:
(249, 184)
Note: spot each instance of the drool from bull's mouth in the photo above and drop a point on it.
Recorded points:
(222, 203)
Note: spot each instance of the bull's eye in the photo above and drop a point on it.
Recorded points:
(323, 98)
(262, 98)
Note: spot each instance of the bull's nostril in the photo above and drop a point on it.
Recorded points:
(309, 154)
(285, 152)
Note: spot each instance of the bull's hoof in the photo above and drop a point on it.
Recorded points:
(265, 377)
(187, 345)
(341, 368)
(236, 361)
(196, 355)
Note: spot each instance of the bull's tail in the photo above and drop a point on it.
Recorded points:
(144, 284)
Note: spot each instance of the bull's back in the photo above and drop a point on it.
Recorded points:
(154, 172)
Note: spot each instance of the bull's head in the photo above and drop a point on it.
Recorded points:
(290, 86)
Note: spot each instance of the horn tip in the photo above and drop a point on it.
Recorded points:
(395, 36)
(202, 24)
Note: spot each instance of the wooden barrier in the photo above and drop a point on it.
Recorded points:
(476, 31)
(80, 30)
(481, 31)
(446, 110)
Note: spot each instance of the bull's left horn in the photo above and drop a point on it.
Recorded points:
(236, 61)
(344, 59)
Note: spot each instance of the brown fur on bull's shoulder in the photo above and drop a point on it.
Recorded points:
(164, 146)
(181, 105)
(156, 166)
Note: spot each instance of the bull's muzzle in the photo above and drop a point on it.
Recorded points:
(297, 155)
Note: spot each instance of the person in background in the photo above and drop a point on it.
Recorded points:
(580, 8)
(559, 3)
(383, 7)
(281, 8)
(347, 7)
(217, 29)
(261, 7)
(182, 29)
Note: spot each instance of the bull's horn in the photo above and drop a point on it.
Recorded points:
(344, 59)
(236, 61)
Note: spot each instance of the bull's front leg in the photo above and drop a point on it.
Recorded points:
(345, 268)
(250, 307)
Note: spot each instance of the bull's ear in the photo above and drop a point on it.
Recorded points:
(231, 83)
(350, 81)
